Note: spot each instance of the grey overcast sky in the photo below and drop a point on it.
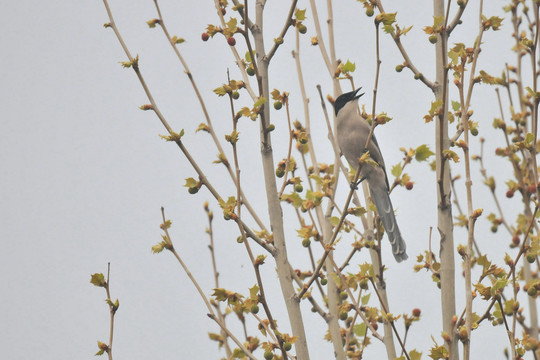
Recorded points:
(84, 173)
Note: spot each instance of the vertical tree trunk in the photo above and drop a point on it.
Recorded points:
(292, 302)
(444, 207)
(276, 222)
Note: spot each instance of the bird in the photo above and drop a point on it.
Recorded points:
(352, 134)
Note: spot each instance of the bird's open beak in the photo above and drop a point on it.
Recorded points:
(356, 91)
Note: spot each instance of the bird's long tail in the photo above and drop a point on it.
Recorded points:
(386, 213)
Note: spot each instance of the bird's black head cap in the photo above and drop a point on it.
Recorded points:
(343, 99)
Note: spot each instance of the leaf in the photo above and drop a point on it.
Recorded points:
(389, 29)
(404, 31)
(529, 139)
(365, 299)
(203, 127)
(415, 355)
(239, 353)
(485, 291)
(167, 225)
(300, 14)
(494, 22)
(474, 319)
(293, 199)
(490, 80)
(437, 21)
(276, 95)
(360, 329)
(438, 352)
(358, 211)
(388, 18)
(248, 56)
(436, 107)
(500, 284)
(220, 91)
(156, 249)
(216, 337)
(397, 170)
(253, 292)
(456, 105)
(366, 269)
(231, 25)
(233, 137)
(348, 67)
(220, 294)
(305, 232)
(451, 155)
(457, 52)
(98, 279)
(531, 92)
(152, 23)
(259, 102)
(177, 40)
(191, 182)
(173, 136)
(422, 153)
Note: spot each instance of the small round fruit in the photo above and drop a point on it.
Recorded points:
(531, 258)
(306, 242)
(231, 41)
(268, 355)
(416, 312)
(531, 189)
(280, 172)
(399, 68)
(510, 193)
(363, 284)
(433, 38)
(474, 132)
(409, 185)
(370, 11)
(250, 71)
(532, 291)
(515, 240)
(254, 309)
(287, 346)
(278, 105)
(298, 188)
(235, 95)
(302, 29)
(193, 190)
(343, 295)
(223, 11)
(324, 282)
(205, 37)
(343, 315)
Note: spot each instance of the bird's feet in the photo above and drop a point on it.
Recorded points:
(354, 185)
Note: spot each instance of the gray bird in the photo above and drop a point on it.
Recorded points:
(352, 134)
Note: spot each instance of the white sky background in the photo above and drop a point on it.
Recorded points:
(85, 173)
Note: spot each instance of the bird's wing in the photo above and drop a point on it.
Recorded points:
(376, 155)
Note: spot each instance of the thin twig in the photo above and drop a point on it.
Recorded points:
(211, 313)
